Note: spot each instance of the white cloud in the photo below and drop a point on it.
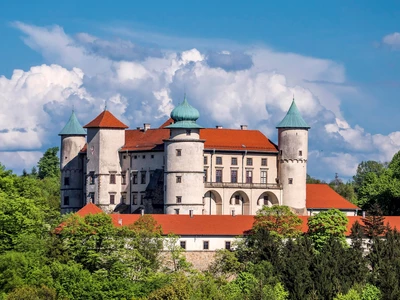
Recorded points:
(392, 40)
(19, 160)
(345, 163)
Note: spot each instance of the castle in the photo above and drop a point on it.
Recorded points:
(183, 168)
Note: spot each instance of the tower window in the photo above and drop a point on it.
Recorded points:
(66, 180)
(134, 198)
(218, 160)
(178, 152)
(91, 175)
(134, 178)
(143, 177)
(290, 180)
(112, 178)
(263, 161)
(183, 244)
(91, 197)
(112, 198)
(66, 200)
(234, 161)
(178, 179)
(206, 245)
(249, 161)
(300, 153)
(178, 199)
(188, 132)
(152, 156)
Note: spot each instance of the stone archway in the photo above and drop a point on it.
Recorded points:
(241, 201)
(213, 203)
(267, 199)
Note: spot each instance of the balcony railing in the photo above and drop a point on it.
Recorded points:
(242, 185)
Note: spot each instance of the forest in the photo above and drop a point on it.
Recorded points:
(44, 255)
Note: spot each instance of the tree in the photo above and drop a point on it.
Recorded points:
(279, 220)
(327, 224)
(49, 164)
(366, 167)
(346, 190)
(374, 222)
(310, 179)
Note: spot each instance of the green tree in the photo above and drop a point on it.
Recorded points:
(49, 164)
(327, 224)
(374, 222)
(310, 179)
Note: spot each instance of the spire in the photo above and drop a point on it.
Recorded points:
(293, 118)
(73, 127)
(184, 116)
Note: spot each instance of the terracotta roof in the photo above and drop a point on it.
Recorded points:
(322, 196)
(105, 120)
(221, 225)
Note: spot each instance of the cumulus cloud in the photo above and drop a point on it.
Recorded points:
(392, 40)
(139, 84)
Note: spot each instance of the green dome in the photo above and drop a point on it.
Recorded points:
(184, 116)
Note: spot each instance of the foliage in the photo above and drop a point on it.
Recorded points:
(279, 220)
(346, 190)
(374, 223)
(310, 179)
(49, 164)
(325, 225)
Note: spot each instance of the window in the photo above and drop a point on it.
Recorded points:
(178, 179)
(300, 153)
(237, 199)
(183, 244)
(123, 178)
(234, 176)
(249, 161)
(177, 211)
(123, 198)
(218, 175)
(234, 161)
(265, 200)
(134, 198)
(152, 156)
(263, 177)
(264, 162)
(142, 199)
(66, 180)
(135, 157)
(178, 199)
(205, 175)
(144, 156)
(143, 177)
(205, 160)
(178, 152)
(112, 198)
(228, 245)
(205, 245)
(249, 176)
(134, 177)
(91, 197)
(218, 160)
(188, 132)
(112, 178)
(290, 180)
(66, 200)
(91, 175)
(124, 156)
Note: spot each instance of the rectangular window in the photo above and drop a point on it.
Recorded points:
(265, 200)
(290, 180)
(91, 197)
(205, 175)
(205, 160)
(135, 157)
(66, 200)
(183, 244)
(144, 156)
(178, 152)
(143, 177)
(123, 178)
(152, 156)
(134, 198)
(112, 198)
(178, 179)
(66, 180)
(249, 176)
(218, 175)
(234, 161)
(134, 177)
(263, 177)
(206, 245)
(237, 199)
(188, 132)
(123, 198)
(234, 176)
(228, 245)
(178, 199)
(112, 178)
(177, 211)
(218, 160)
(264, 162)
(142, 199)
(300, 153)
(91, 177)
(249, 161)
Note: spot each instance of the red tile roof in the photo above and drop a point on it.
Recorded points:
(322, 196)
(105, 120)
(221, 225)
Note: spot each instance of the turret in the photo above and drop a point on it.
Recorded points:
(105, 136)
(293, 153)
(72, 141)
(184, 172)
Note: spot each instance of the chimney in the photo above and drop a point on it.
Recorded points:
(233, 212)
(146, 126)
(142, 212)
(243, 127)
(191, 213)
(218, 127)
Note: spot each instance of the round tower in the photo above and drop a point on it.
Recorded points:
(184, 172)
(292, 159)
(73, 139)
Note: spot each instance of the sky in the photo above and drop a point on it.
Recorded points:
(239, 62)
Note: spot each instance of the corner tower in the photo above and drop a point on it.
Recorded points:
(73, 139)
(184, 170)
(292, 159)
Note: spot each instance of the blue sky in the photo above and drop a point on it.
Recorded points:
(340, 58)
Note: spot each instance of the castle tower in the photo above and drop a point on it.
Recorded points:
(72, 141)
(293, 153)
(105, 136)
(184, 172)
